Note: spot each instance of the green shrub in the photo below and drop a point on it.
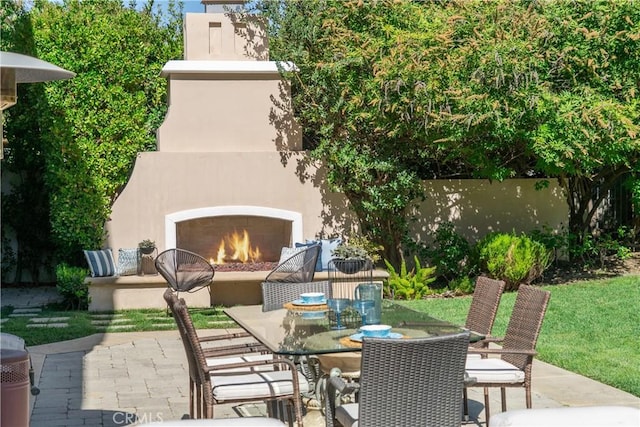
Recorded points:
(589, 250)
(462, 285)
(412, 284)
(70, 284)
(450, 254)
(514, 259)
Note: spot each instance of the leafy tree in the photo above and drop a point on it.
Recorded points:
(394, 92)
(83, 134)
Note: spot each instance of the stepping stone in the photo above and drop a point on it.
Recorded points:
(21, 315)
(47, 325)
(120, 326)
(27, 310)
(109, 321)
(4, 320)
(48, 319)
(104, 316)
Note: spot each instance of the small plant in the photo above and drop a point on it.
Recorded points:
(147, 244)
(412, 284)
(358, 247)
(72, 287)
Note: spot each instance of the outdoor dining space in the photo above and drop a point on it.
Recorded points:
(363, 360)
(309, 357)
(137, 378)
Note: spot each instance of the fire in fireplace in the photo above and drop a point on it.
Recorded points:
(236, 247)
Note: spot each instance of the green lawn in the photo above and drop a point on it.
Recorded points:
(591, 328)
(82, 323)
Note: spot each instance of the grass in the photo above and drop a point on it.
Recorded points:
(590, 328)
(83, 323)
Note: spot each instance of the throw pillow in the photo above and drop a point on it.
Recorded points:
(100, 263)
(285, 254)
(326, 252)
(127, 261)
(312, 243)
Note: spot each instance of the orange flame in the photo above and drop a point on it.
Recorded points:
(239, 245)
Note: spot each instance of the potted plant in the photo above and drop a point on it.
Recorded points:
(147, 246)
(355, 254)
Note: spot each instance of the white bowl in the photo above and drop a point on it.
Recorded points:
(375, 330)
(312, 297)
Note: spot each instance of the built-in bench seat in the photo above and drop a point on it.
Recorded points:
(229, 288)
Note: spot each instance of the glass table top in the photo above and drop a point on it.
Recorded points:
(304, 332)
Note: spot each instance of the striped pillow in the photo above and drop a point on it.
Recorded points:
(100, 263)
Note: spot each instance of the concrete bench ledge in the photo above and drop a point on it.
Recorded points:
(229, 288)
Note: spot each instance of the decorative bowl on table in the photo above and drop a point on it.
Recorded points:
(312, 298)
(377, 331)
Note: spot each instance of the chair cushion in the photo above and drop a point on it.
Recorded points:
(217, 361)
(347, 414)
(595, 416)
(257, 385)
(100, 262)
(312, 243)
(127, 262)
(493, 371)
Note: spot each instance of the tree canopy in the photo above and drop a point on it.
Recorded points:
(73, 143)
(392, 92)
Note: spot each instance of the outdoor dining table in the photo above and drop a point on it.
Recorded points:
(293, 332)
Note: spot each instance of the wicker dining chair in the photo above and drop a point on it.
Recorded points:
(513, 368)
(484, 307)
(300, 267)
(276, 294)
(238, 381)
(482, 315)
(236, 346)
(403, 382)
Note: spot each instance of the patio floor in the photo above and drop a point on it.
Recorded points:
(127, 378)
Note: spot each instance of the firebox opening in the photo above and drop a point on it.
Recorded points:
(218, 238)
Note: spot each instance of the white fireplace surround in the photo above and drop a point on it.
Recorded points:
(171, 220)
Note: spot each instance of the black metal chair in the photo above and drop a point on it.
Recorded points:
(298, 268)
(183, 270)
(404, 382)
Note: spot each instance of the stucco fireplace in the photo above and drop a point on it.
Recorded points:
(229, 159)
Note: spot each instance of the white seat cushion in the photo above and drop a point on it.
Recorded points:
(217, 361)
(493, 371)
(588, 416)
(257, 385)
(347, 414)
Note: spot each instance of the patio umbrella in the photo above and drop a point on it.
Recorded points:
(17, 68)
